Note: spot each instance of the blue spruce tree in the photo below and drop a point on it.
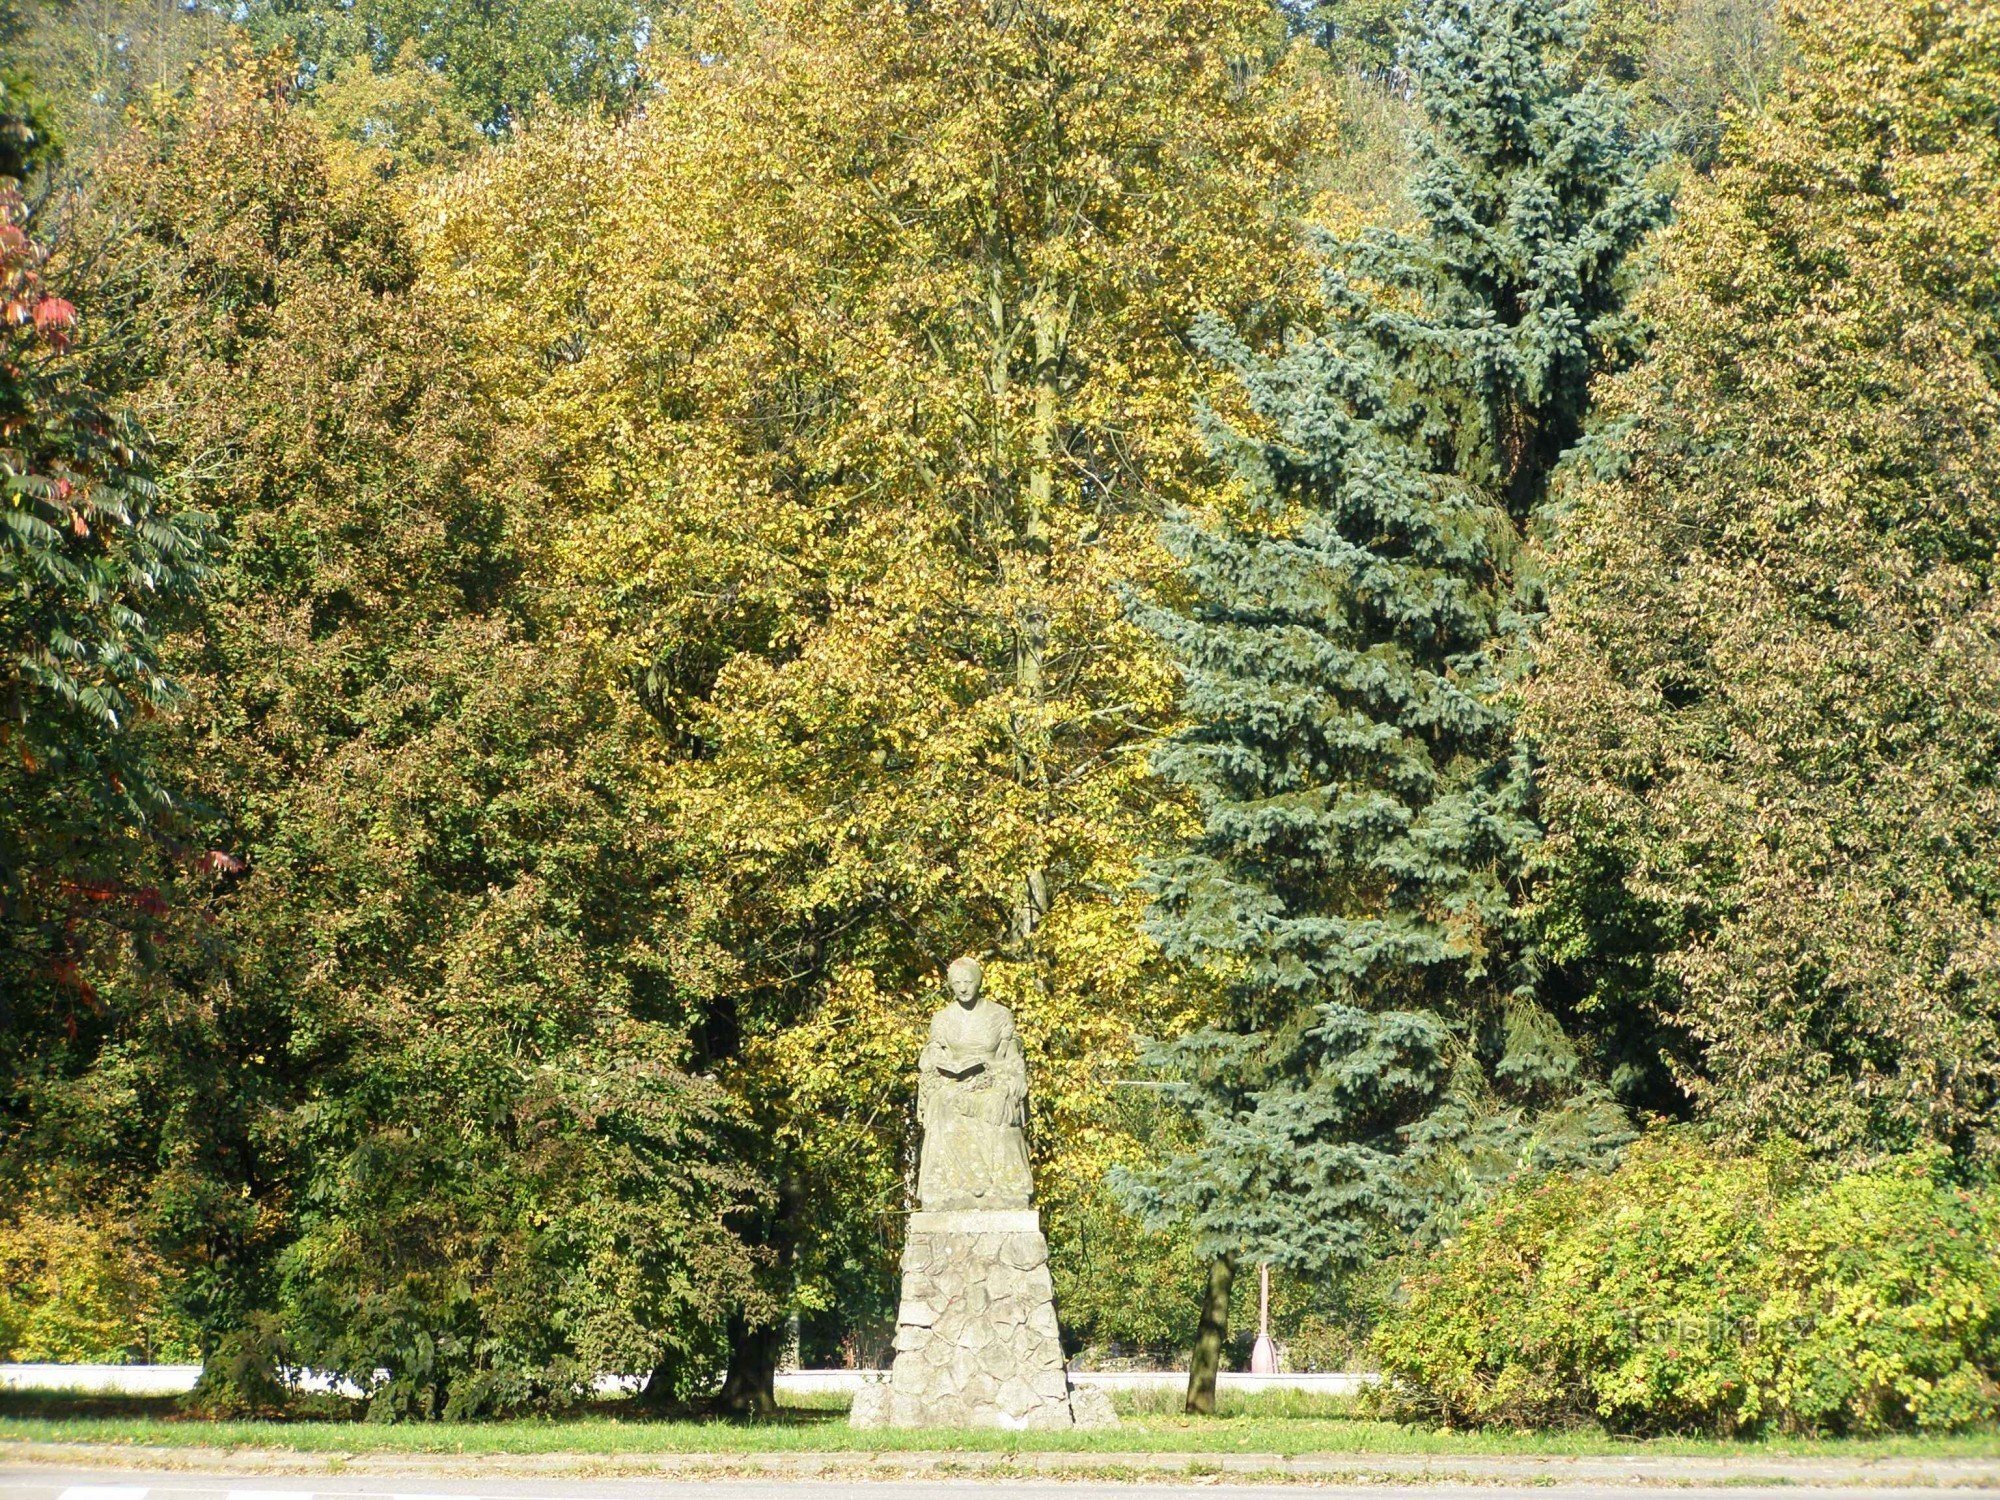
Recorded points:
(1347, 632)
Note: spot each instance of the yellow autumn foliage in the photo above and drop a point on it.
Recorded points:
(1766, 696)
(80, 1288)
(860, 362)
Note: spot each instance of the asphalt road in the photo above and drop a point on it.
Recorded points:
(19, 1481)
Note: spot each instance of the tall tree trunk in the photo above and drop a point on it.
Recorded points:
(750, 1386)
(750, 1389)
(1205, 1362)
(1032, 637)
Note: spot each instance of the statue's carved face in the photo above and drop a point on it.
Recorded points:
(965, 977)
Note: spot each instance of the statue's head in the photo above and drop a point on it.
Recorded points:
(965, 977)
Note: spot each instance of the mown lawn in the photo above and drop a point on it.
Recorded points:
(1288, 1424)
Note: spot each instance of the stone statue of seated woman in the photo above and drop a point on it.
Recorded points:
(972, 1095)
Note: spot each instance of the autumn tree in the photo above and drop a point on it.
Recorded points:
(867, 356)
(1765, 700)
(418, 1099)
(94, 562)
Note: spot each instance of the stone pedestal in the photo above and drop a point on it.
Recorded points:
(976, 1339)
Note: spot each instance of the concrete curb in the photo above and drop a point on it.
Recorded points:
(1636, 1471)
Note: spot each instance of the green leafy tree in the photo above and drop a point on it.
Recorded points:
(93, 561)
(1346, 635)
(1766, 694)
(1360, 34)
(88, 553)
(500, 60)
(404, 1083)
(1690, 63)
(28, 136)
(87, 61)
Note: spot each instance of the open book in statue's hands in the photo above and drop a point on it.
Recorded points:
(956, 1065)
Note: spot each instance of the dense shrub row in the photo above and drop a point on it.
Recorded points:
(1687, 1291)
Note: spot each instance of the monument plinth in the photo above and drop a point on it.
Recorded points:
(976, 1337)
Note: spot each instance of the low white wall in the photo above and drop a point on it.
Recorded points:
(1340, 1383)
(1334, 1383)
(170, 1380)
(123, 1380)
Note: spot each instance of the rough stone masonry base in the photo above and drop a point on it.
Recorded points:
(976, 1339)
